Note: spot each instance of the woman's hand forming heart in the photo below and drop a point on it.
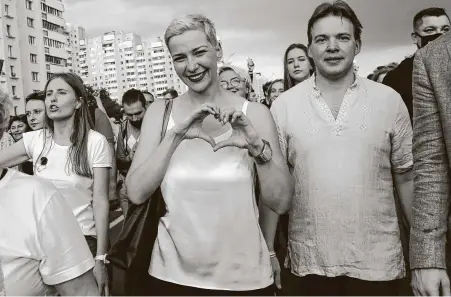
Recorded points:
(244, 135)
(191, 127)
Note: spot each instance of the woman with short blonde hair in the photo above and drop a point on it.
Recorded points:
(209, 242)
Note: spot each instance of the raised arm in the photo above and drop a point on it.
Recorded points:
(13, 155)
(152, 157)
(431, 188)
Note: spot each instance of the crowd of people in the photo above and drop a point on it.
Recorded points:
(331, 184)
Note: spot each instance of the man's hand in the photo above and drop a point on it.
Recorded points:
(430, 282)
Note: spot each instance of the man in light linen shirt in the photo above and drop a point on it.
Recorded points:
(348, 143)
(42, 248)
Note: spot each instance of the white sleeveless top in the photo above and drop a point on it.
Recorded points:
(210, 237)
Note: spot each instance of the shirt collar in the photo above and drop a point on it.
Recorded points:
(316, 90)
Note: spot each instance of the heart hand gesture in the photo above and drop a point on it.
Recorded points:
(244, 135)
(191, 128)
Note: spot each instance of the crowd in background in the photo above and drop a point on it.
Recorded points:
(306, 191)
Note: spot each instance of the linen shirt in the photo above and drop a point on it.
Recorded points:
(343, 217)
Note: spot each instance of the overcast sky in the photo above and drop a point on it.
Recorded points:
(261, 29)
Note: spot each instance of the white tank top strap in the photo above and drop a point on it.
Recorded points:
(171, 122)
(244, 110)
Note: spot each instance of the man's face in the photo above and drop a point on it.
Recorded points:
(430, 25)
(333, 46)
(135, 113)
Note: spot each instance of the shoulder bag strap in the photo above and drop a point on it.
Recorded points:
(167, 113)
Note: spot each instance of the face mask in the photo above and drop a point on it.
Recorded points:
(428, 38)
(137, 124)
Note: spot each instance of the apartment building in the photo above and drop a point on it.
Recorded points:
(119, 61)
(33, 45)
(75, 35)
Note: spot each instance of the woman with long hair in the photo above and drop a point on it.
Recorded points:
(274, 90)
(209, 241)
(297, 65)
(73, 157)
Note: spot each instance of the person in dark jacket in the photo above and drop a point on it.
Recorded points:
(428, 25)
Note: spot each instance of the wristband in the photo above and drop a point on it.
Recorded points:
(272, 254)
(102, 258)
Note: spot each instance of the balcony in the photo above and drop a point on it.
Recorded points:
(13, 76)
(10, 36)
(12, 58)
(9, 16)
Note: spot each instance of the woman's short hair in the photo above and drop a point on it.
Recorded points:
(191, 22)
(40, 95)
(241, 73)
(19, 118)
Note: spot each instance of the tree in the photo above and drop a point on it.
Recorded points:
(112, 108)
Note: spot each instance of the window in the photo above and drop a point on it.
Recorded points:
(33, 58)
(44, 15)
(35, 76)
(52, 27)
(46, 33)
(13, 88)
(53, 43)
(32, 40)
(10, 50)
(55, 60)
(47, 66)
(13, 74)
(29, 4)
(8, 30)
(30, 22)
(6, 9)
(51, 10)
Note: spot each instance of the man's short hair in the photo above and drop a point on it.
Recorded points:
(172, 92)
(132, 96)
(337, 8)
(40, 95)
(431, 11)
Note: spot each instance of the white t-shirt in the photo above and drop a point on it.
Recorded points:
(76, 189)
(41, 244)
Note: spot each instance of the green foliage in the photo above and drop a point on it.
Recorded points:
(112, 108)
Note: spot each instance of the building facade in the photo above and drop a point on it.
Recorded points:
(119, 61)
(33, 45)
(75, 36)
